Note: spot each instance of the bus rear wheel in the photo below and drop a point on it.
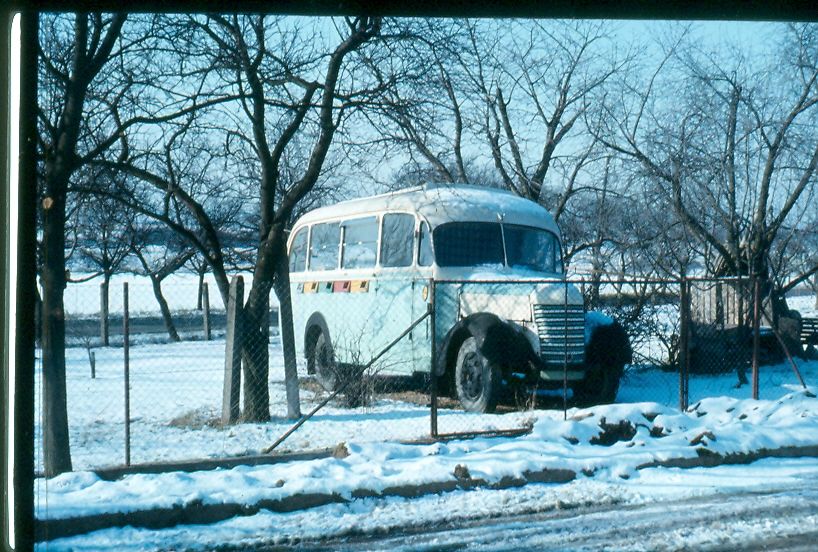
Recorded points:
(477, 380)
(324, 363)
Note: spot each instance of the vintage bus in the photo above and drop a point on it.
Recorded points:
(363, 270)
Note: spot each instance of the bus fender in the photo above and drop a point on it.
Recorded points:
(500, 341)
(607, 343)
(315, 320)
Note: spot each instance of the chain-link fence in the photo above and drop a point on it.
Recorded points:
(396, 359)
(738, 341)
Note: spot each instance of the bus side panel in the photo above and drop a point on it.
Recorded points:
(421, 336)
(300, 314)
(389, 317)
(446, 309)
(361, 321)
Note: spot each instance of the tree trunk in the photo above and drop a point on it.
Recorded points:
(815, 290)
(103, 309)
(285, 306)
(56, 447)
(201, 289)
(156, 283)
(596, 275)
(255, 353)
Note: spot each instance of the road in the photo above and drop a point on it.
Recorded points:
(781, 520)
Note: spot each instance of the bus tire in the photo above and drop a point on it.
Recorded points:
(323, 362)
(606, 355)
(600, 386)
(477, 380)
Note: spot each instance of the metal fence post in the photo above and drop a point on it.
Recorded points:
(565, 355)
(684, 342)
(432, 375)
(756, 332)
(126, 353)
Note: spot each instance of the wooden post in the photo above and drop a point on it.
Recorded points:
(93, 358)
(206, 311)
(126, 352)
(232, 352)
(103, 312)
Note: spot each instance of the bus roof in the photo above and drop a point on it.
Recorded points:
(443, 203)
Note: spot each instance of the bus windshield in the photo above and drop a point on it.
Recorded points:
(474, 244)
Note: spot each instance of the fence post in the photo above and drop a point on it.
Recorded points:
(232, 352)
(206, 311)
(756, 332)
(432, 374)
(684, 337)
(126, 353)
(565, 356)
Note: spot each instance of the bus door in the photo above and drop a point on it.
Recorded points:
(421, 336)
(395, 290)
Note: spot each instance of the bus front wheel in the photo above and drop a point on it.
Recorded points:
(477, 380)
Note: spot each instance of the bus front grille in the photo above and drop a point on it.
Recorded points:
(561, 330)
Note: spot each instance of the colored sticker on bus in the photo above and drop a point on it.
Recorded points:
(341, 287)
(360, 286)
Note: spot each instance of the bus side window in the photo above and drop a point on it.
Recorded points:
(425, 257)
(396, 239)
(326, 239)
(360, 243)
(298, 251)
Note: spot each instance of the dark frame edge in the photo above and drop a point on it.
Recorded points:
(747, 10)
(5, 165)
(20, 328)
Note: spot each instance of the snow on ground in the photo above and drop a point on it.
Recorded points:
(656, 433)
(176, 395)
(375, 516)
(175, 402)
(607, 474)
(180, 290)
(803, 303)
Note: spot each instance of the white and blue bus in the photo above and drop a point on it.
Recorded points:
(363, 270)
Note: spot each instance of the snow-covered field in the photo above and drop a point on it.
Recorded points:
(176, 397)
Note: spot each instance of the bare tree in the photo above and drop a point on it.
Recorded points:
(102, 236)
(100, 78)
(269, 80)
(425, 113)
(289, 92)
(159, 259)
(505, 103)
(73, 55)
(734, 153)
